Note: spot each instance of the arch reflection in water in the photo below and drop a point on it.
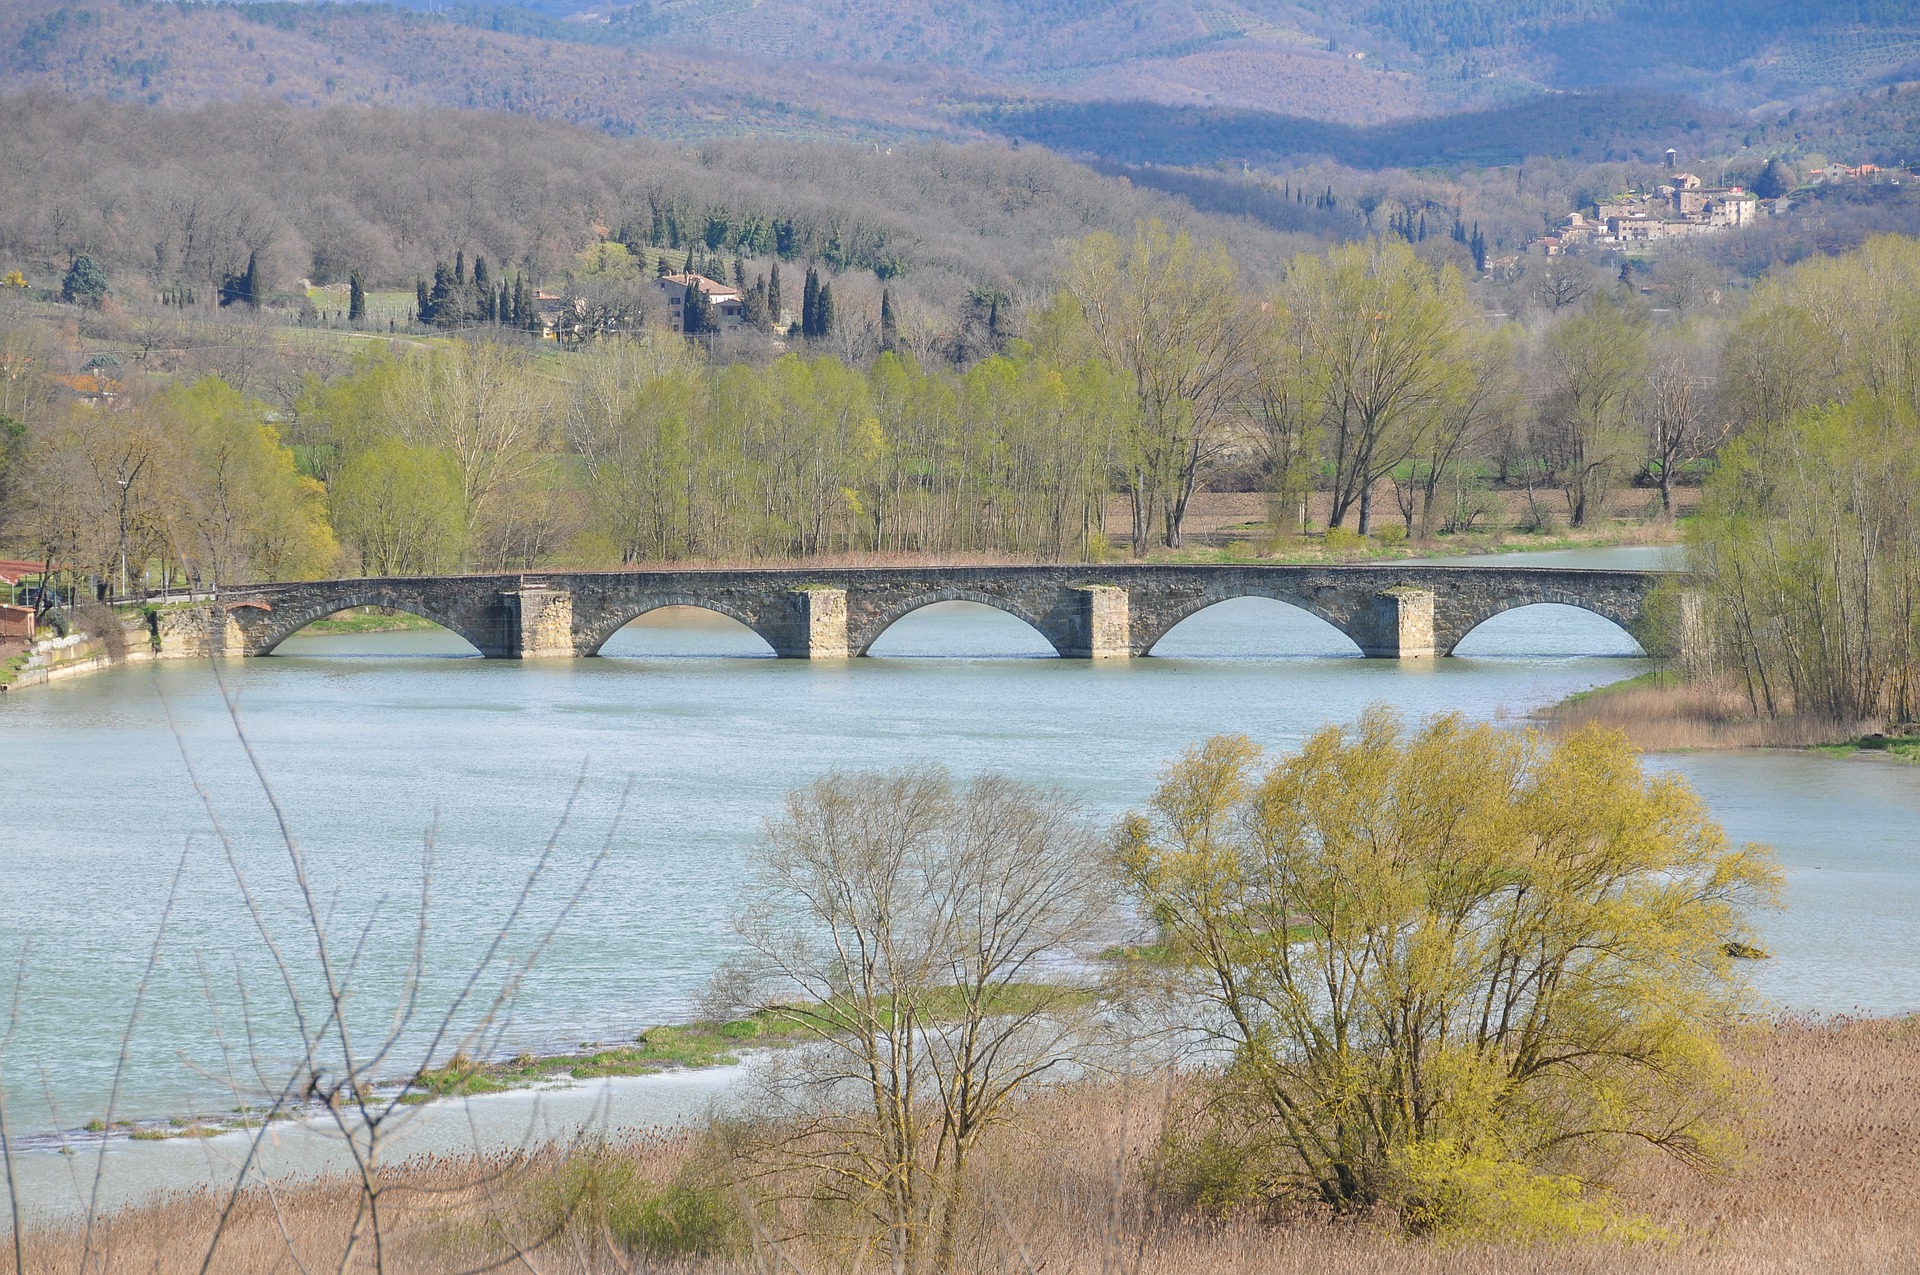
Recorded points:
(1549, 630)
(1254, 628)
(960, 631)
(357, 634)
(686, 632)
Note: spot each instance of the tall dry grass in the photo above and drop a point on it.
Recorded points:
(1829, 1184)
(1672, 716)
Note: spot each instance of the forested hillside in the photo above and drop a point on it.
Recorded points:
(894, 70)
(170, 201)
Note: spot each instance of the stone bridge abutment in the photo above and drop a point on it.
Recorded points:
(1085, 612)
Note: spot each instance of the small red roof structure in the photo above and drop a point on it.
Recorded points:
(14, 570)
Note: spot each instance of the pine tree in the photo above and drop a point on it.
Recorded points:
(85, 283)
(661, 268)
(889, 324)
(356, 299)
(773, 296)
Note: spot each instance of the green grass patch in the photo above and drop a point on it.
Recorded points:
(1901, 747)
(1658, 680)
(372, 620)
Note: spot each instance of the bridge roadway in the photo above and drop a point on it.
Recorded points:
(1096, 611)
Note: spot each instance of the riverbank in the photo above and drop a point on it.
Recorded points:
(1662, 712)
(1826, 1184)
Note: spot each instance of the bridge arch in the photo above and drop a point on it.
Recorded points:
(607, 630)
(1292, 608)
(877, 627)
(266, 633)
(1623, 620)
(1148, 635)
(626, 613)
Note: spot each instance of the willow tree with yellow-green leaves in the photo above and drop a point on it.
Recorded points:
(1443, 956)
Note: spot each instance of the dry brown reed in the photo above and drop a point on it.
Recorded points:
(1828, 1185)
(1681, 716)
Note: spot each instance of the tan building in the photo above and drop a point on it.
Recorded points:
(729, 306)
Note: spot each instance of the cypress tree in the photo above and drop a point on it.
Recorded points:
(481, 279)
(823, 311)
(1478, 245)
(697, 312)
(460, 267)
(889, 324)
(689, 265)
(422, 305)
(356, 299)
(773, 296)
(810, 305)
(739, 274)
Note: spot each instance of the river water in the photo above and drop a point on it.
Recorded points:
(377, 745)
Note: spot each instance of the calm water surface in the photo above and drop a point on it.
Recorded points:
(379, 744)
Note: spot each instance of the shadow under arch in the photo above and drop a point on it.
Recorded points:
(734, 623)
(1553, 628)
(921, 602)
(284, 627)
(1245, 622)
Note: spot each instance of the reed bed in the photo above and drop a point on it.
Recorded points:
(1828, 1184)
(1670, 716)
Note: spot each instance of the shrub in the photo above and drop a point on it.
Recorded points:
(1341, 542)
(1451, 937)
(1452, 1193)
(598, 1193)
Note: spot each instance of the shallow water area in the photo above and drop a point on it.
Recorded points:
(688, 733)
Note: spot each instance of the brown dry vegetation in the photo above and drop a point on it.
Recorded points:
(1833, 1165)
(1663, 714)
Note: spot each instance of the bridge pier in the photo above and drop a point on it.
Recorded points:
(1098, 627)
(538, 623)
(814, 626)
(1402, 627)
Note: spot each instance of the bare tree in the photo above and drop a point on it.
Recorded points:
(911, 928)
(1677, 409)
(1168, 313)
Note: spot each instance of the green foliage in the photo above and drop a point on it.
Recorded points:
(1452, 1193)
(85, 282)
(1448, 960)
(241, 510)
(399, 508)
(599, 1194)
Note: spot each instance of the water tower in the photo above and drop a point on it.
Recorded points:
(1673, 160)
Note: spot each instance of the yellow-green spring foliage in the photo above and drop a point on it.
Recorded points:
(1444, 960)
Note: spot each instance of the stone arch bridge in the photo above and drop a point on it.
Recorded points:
(1086, 611)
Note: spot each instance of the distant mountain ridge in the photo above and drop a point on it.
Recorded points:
(1160, 81)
